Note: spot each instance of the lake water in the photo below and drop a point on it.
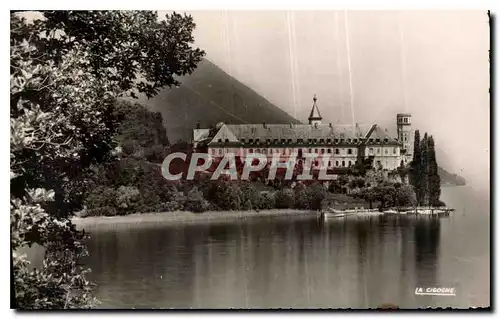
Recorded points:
(299, 262)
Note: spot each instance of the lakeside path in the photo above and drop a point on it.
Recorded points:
(184, 217)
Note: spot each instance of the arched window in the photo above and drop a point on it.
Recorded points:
(316, 150)
(349, 151)
(337, 163)
(336, 151)
(329, 151)
(322, 151)
(250, 151)
(343, 163)
(350, 163)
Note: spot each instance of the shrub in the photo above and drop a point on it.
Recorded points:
(101, 197)
(301, 196)
(128, 199)
(284, 198)
(195, 201)
(315, 195)
(265, 200)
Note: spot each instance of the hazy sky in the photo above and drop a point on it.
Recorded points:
(442, 56)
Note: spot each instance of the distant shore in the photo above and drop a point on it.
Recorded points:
(185, 217)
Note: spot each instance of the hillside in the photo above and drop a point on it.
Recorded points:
(209, 96)
(448, 178)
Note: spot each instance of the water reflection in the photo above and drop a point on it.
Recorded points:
(279, 263)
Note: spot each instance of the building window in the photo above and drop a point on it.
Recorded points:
(300, 141)
(227, 141)
(250, 140)
(268, 141)
(322, 151)
(337, 163)
(328, 140)
(276, 140)
(309, 141)
(257, 150)
(315, 140)
(282, 140)
(321, 140)
(386, 151)
(406, 139)
(250, 151)
(329, 151)
(348, 140)
(219, 140)
(371, 150)
(341, 140)
(350, 163)
(355, 140)
(257, 140)
(220, 151)
(405, 120)
(378, 150)
(386, 140)
(371, 140)
(336, 140)
(316, 150)
(393, 150)
(242, 140)
(349, 151)
(336, 151)
(377, 140)
(343, 163)
(264, 151)
(290, 140)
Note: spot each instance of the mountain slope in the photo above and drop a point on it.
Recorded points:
(209, 96)
(448, 178)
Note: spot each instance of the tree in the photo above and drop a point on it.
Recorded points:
(67, 70)
(416, 169)
(433, 179)
(424, 166)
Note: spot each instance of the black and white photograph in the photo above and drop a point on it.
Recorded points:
(250, 159)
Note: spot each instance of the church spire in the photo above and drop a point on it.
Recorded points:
(315, 117)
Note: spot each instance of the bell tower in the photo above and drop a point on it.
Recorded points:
(405, 135)
(315, 117)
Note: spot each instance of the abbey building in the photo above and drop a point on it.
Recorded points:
(343, 144)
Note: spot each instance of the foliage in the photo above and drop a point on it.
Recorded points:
(316, 193)
(195, 201)
(284, 198)
(265, 200)
(67, 70)
(424, 174)
(301, 196)
(434, 181)
(141, 132)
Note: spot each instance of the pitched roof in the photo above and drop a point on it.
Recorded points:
(297, 131)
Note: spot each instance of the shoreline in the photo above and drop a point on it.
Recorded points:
(185, 217)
